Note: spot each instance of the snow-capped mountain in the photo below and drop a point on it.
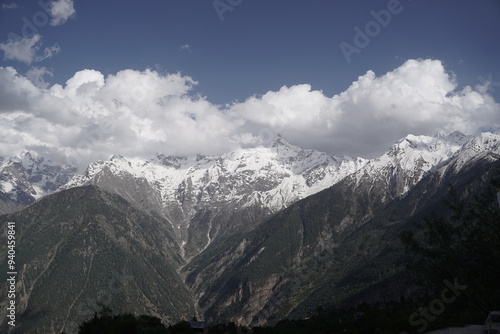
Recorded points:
(360, 217)
(274, 266)
(392, 175)
(410, 159)
(206, 196)
(485, 146)
(273, 177)
(28, 177)
(214, 195)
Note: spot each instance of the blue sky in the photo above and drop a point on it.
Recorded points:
(235, 49)
(263, 45)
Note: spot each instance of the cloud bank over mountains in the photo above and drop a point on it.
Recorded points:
(140, 113)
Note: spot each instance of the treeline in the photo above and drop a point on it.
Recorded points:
(104, 322)
(388, 318)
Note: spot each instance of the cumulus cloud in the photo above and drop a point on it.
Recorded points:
(140, 113)
(21, 49)
(419, 97)
(61, 11)
(15, 91)
(132, 113)
(27, 50)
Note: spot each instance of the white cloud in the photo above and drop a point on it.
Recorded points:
(9, 5)
(139, 113)
(419, 97)
(15, 91)
(61, 11)
(36, 76)
(186, 47)
(91, 117)
(27, 50)
(21, 49)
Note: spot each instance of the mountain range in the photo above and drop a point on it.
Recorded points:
(252, 236)
(28, 177)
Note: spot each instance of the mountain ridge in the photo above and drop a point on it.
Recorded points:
(27, 177)
(217, 195)
(329, 248)
(96, 248)
(205, 197)
(36, 167)
(334, 247)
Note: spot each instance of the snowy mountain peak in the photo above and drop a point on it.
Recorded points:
(268, 177)
(452, 141)
(28, 176)
(276, 176)
(116, 157)
(181, 188)
(411, 158)
(484, 146)
(280, 141)
(486, 141)
(168, 161)
(27, 159)
(457, 137)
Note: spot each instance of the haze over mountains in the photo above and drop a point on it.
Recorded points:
(252, 236)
